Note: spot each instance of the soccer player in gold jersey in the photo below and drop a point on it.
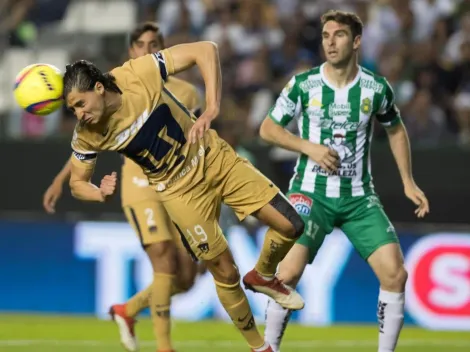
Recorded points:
(131, 111)
(157, 233)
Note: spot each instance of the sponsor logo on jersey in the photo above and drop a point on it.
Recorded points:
(366, 106)
(305, 86)
(438, 288)
(301, 203)
(122, 137)
(345, 125)
(315, 102)
(286, 103)
(373, 85)
(339, 109)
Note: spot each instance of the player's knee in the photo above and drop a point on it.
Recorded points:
(394, 279)
(162, 256)
(223, 269)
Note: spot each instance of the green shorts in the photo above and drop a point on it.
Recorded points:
(361, 218)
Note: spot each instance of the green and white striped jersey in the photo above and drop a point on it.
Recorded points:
(340, 119)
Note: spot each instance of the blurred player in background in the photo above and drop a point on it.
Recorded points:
(335, 105)
(157, 233)
(129, 110)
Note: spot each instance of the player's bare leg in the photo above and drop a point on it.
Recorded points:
(187, 271)
(285, 227)
(233, 299)
(290, 271)
(388, 265)
(162, 255)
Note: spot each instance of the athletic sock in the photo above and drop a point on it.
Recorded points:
(234, 301)
(139, 302)
(390, 312)
(275, 248)
(276, 323)
(160, 309)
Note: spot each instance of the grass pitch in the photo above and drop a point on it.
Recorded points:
(21, 333)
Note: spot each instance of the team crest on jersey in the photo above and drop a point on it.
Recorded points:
(366, 106)
(301, 203)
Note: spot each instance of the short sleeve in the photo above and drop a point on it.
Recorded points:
(82, 154)
(388, 114)
(287, 105)
(152, 69)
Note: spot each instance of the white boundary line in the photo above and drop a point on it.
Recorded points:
(430, 343)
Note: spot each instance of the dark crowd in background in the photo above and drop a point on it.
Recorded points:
(421, 46)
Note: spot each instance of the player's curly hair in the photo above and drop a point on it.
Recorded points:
(83, 75)
(347, 18)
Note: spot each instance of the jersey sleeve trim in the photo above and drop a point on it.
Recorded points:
(81, 160)
(82, 156)
(164, 62)
(395, 121)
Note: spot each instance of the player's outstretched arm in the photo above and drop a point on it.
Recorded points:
(83, 189)
(274, 133)
(54, 191)
(206, 56)
(400, 145)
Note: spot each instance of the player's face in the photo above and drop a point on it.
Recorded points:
(87, 106)
(146, 44)
(338, 43)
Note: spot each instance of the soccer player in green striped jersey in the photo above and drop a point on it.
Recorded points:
(335, 106)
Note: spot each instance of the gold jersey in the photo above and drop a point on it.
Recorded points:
(134, 183)
(150, 128)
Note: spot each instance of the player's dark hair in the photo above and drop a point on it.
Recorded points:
(146, 27)
(83, 75)
(347, 18)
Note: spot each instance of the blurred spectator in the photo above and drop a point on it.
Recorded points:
(452, 50)
(425, 121)
(420, 46)
(462, 99)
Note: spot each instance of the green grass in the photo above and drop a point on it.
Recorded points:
(78, 334)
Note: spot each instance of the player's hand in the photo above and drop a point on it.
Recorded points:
(202, 124)
(417, 196)
(108, 185)
(327, 158)
(52, 195)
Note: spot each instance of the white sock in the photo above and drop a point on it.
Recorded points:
(390, 312)
(276, 323)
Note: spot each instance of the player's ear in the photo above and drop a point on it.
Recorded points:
(357, 42)
(99, 88)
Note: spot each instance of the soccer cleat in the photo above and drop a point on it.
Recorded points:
(286, 296)
(126, 327)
